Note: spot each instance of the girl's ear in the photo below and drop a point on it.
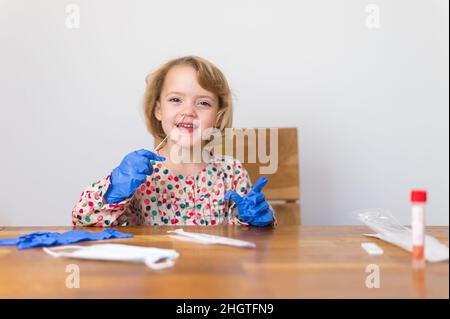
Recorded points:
(219, 118)
(158, 111)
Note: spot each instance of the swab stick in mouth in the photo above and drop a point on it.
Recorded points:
(157, 148)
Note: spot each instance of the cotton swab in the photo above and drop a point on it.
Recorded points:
(230, 211)
(157, 148)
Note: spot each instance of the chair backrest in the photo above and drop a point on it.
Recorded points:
(283, 183)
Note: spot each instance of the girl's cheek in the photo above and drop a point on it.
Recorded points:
(208, 121)
(167, 124)
(168, 116)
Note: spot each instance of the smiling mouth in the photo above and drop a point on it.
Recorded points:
(186, 125)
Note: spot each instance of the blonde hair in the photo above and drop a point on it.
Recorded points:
(208, 76)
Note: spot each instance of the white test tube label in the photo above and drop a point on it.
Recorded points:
(418, 231)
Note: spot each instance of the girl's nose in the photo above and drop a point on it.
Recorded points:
(189, 110)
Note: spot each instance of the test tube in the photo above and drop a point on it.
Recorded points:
(418, 200)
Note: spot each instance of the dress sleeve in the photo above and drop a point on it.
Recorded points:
(93, 210)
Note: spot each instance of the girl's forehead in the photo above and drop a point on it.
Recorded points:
(183, 80)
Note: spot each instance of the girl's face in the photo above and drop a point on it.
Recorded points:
(182, 95)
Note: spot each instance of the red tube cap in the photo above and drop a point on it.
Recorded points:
(418, 196)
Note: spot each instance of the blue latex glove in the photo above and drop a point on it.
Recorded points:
(253, 208)
(130, 174)
(39, 239)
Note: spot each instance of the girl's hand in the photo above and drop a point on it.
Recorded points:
(253, 208)
(130, 174)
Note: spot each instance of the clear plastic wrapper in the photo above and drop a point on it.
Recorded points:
(387, 228)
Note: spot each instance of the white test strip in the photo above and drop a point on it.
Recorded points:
(372, 249)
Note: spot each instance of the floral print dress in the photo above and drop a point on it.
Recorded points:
(167, 198)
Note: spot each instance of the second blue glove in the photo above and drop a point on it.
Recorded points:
(253, 208)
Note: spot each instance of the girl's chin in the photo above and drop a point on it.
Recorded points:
(187, 142)
(185, 138)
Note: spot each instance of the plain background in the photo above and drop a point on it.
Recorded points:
(371, 104)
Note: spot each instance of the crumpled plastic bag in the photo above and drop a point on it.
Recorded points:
(387, 228)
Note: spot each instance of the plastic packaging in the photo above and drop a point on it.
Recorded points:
(387, 228)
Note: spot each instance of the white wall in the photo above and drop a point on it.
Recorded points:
(371, 105)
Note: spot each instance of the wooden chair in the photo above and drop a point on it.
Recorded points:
(283, 187)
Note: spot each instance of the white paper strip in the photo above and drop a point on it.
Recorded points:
(210, 239)
(372, 249)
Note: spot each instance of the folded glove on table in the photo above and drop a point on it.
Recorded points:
(40, 239)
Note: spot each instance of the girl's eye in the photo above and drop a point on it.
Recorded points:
(175, 99)
(204, 103)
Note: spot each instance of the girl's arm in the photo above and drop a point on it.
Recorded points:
(93, 210)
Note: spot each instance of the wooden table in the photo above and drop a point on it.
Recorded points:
(289, 262)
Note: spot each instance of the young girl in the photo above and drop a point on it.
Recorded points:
(183, 98)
